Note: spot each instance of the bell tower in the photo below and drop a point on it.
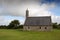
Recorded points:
(27, 12)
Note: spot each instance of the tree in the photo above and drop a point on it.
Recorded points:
(58, 26)
(20, 27)
(3, 27)
(14, 24)
(55, 25)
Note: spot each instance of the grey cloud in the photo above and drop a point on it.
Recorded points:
(15, 7)
(18, 8)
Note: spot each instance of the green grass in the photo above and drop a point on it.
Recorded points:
(10, 34)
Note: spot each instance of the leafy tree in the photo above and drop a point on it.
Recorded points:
(3, 27)
(58, 26)
(14, 24)
(20, 27)
(55, 25)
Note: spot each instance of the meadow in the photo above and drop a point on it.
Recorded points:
(16, 34)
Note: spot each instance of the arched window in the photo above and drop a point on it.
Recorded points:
(28, 27)
(45, 27)
(40, 27)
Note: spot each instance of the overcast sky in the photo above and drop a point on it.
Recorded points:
(15, 9)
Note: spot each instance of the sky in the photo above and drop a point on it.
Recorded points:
(16, 10)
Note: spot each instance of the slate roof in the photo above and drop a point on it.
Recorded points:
(38, 21)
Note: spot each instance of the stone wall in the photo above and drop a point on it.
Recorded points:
(38, 28)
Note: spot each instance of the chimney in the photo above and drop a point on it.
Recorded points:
(27, 12)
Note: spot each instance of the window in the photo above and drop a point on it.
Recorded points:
(28, 27)
(45, 27)
(40, 27)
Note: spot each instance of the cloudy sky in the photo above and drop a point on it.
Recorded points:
(15, 9)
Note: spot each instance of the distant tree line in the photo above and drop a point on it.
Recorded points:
(56, 26)
(15, 24)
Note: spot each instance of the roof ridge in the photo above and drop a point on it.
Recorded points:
(39, 16)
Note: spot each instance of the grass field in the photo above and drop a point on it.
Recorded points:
(10, 34)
